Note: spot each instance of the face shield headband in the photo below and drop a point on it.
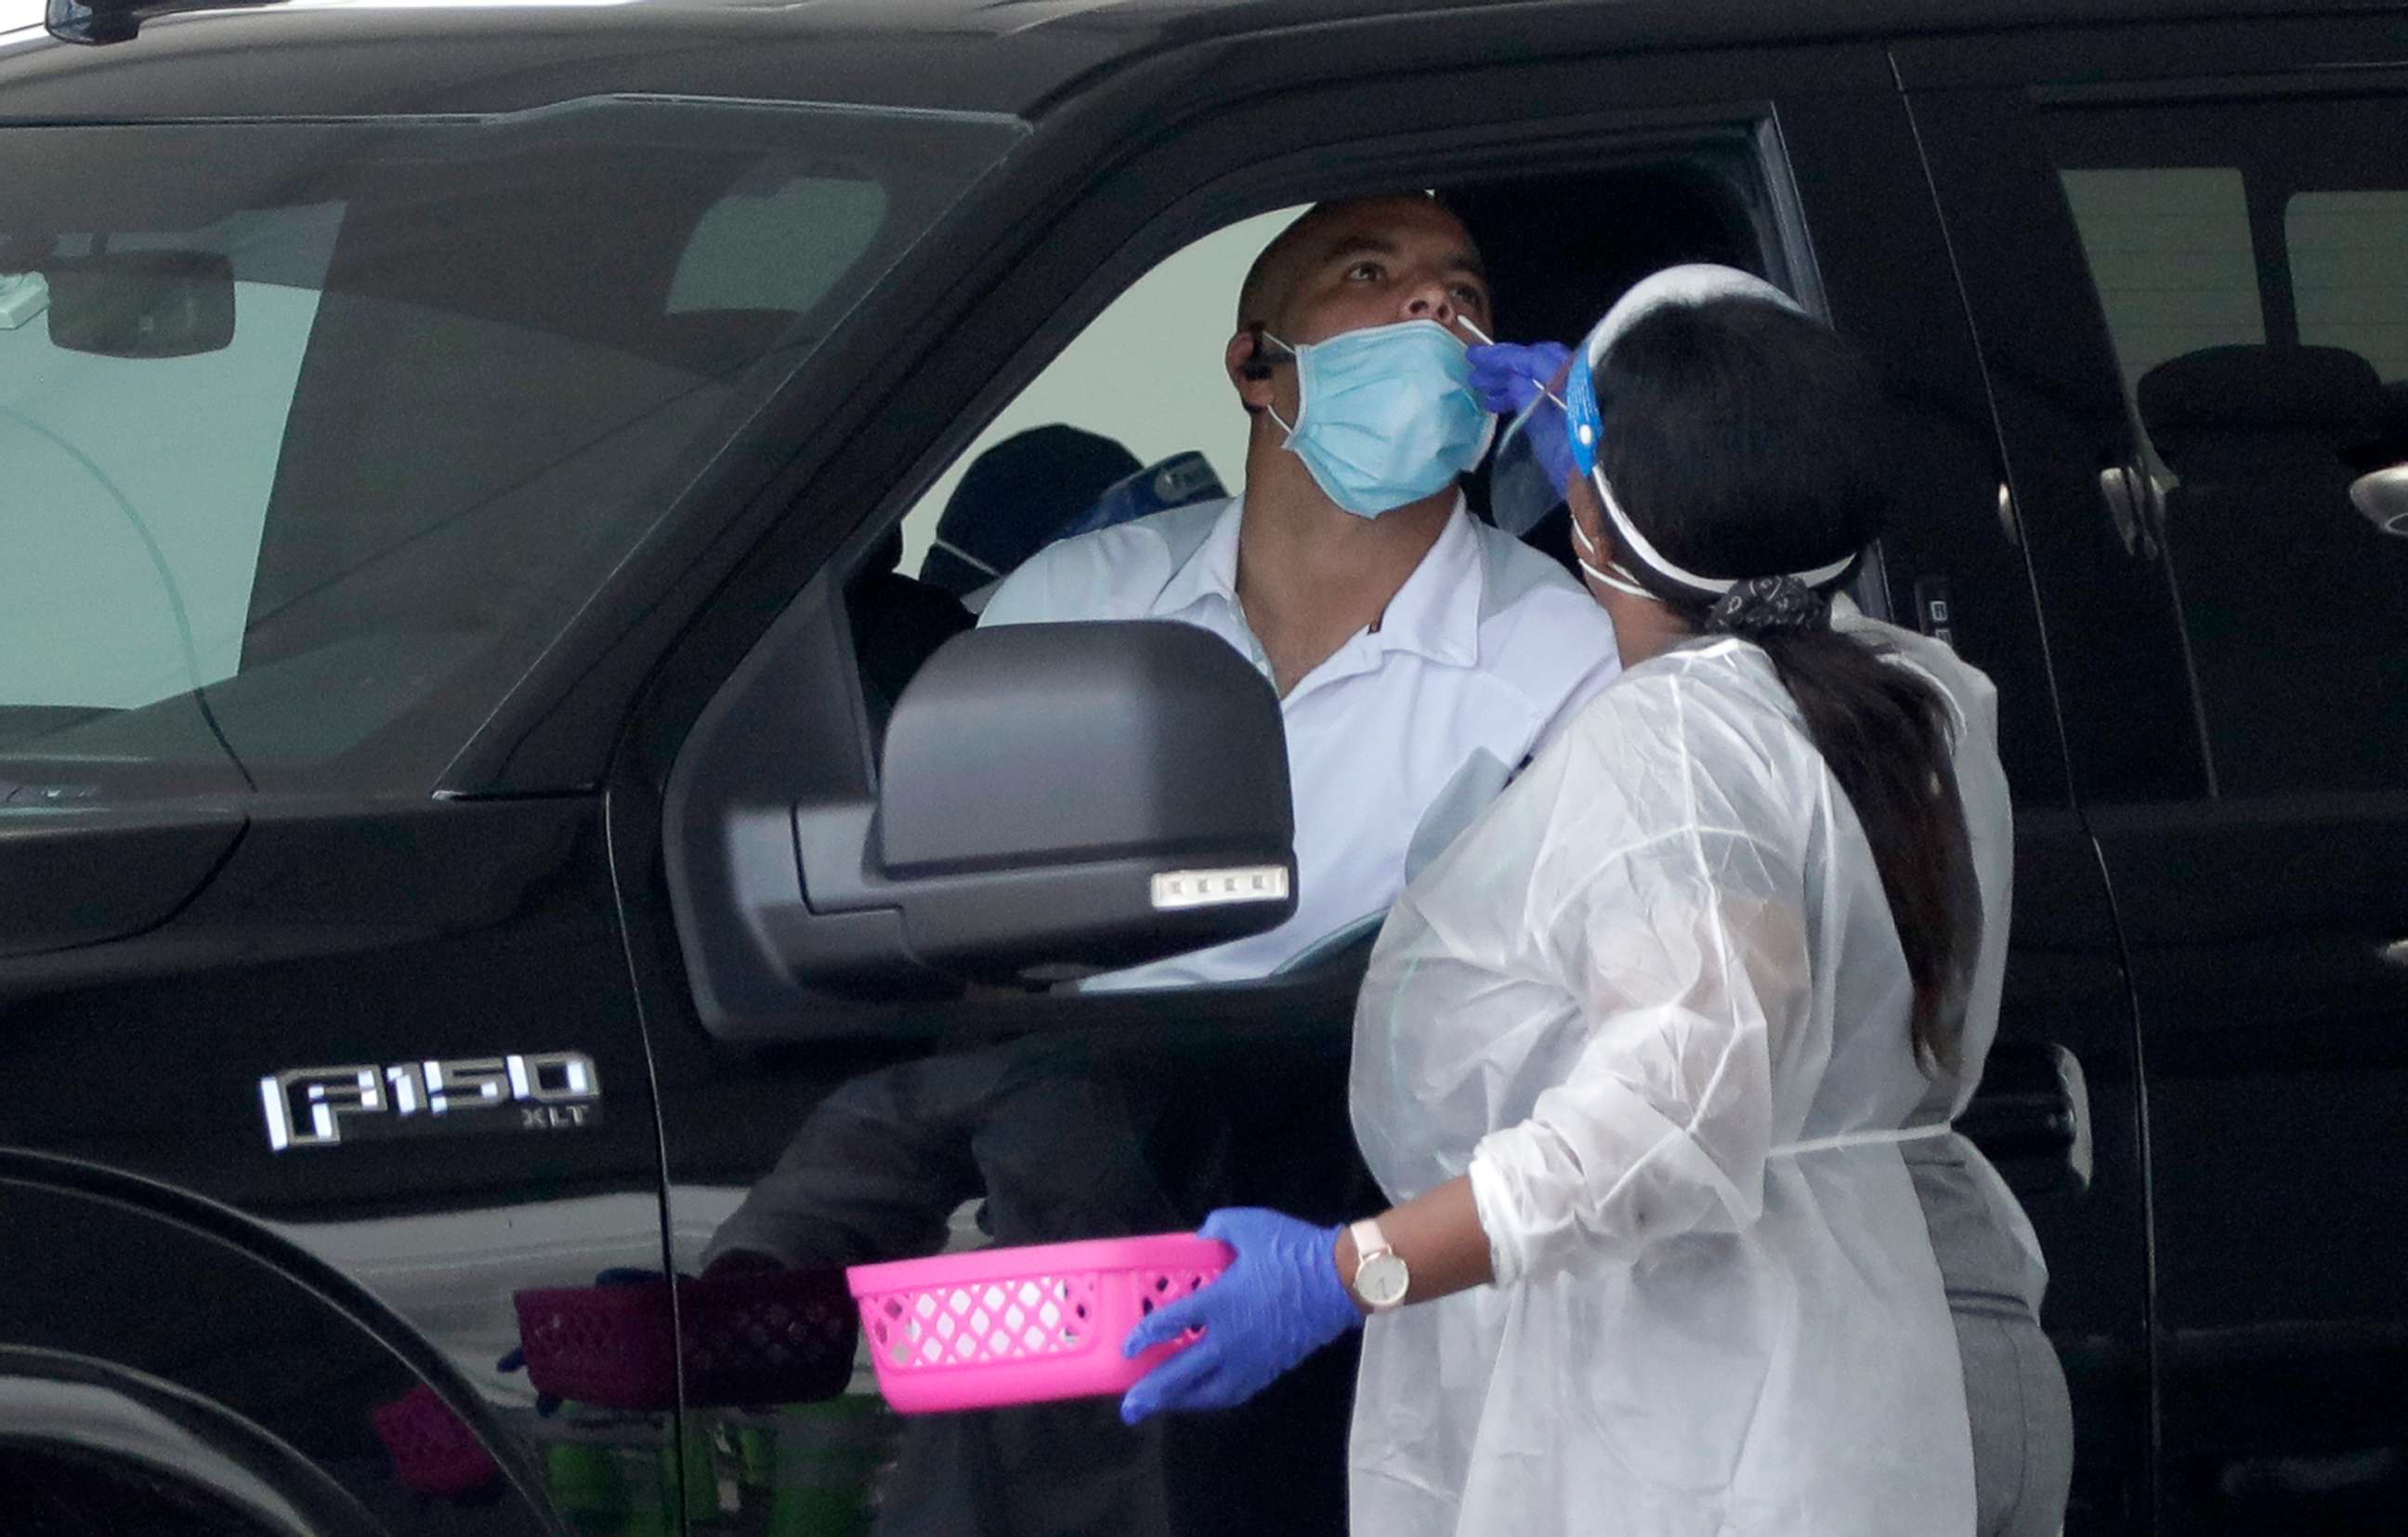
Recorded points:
(1692, 284)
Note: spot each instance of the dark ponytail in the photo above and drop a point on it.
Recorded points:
(1886, 733)
(1757, 442)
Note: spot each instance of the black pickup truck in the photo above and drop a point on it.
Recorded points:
(461, 804)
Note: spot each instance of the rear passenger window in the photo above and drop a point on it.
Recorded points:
(2349, 266)
(2252, 263)
(2169, 251)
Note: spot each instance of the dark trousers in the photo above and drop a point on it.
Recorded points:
(1065, 1138)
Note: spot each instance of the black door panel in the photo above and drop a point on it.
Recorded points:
(159, 1230)
(115, 1286)
(2279, 1085)
(2059, 1112)
(1887, 266)
(73, 878)
(2188, 297)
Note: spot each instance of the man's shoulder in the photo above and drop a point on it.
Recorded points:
(1532, 612)
(1519, 581)
(1110, 573)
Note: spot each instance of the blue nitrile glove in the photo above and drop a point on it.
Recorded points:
(1279, 1300)
(1507, 378)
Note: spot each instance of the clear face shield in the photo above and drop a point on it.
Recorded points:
(1521, 493)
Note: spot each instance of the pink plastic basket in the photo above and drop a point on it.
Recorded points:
(1023, 1325)
(772, 1337)
(432, 1451)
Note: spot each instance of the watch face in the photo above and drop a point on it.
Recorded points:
(1383, 1281)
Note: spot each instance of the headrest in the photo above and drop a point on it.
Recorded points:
(887, 554)
(1177, 481)
(2328, 391)
(1015, 498)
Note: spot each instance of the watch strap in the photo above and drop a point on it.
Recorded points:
(1372, 1249)
(1369, 1241)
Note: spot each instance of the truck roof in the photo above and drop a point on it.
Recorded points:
(348, 57)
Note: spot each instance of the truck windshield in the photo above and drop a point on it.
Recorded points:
(314, 434)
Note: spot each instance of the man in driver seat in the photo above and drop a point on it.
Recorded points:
(1420, 656)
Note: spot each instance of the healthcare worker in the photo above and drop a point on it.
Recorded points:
(2020, 1413)
(1641, 1054)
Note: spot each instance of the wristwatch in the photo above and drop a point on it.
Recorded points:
(1381, 1278)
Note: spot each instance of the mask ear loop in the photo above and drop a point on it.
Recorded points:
(1258, 366)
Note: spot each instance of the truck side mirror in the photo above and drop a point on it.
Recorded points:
(1053, 800)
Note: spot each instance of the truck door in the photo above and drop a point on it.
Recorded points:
(2183, 246)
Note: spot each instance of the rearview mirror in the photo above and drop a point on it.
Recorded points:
(141, 303)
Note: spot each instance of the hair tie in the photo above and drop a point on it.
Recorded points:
(1766, 606)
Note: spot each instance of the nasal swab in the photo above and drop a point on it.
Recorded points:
(1487, 340)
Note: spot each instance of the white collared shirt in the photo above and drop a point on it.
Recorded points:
(1395, 741)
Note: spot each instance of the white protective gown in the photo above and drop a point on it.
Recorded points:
(1633, 1000)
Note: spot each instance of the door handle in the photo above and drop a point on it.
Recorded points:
(2131, 498)
(2383, 497)
(2031, 1118)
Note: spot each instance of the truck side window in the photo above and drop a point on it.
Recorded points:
(1103, 491)
(2250, 262)
(1140, 386)
(1134, 416)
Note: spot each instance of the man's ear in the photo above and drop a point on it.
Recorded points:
(1249, 370)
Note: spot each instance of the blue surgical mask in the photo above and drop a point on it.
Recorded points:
(1383, 416)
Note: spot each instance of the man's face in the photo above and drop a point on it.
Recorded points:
(1352, 266)
(1377, 263)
